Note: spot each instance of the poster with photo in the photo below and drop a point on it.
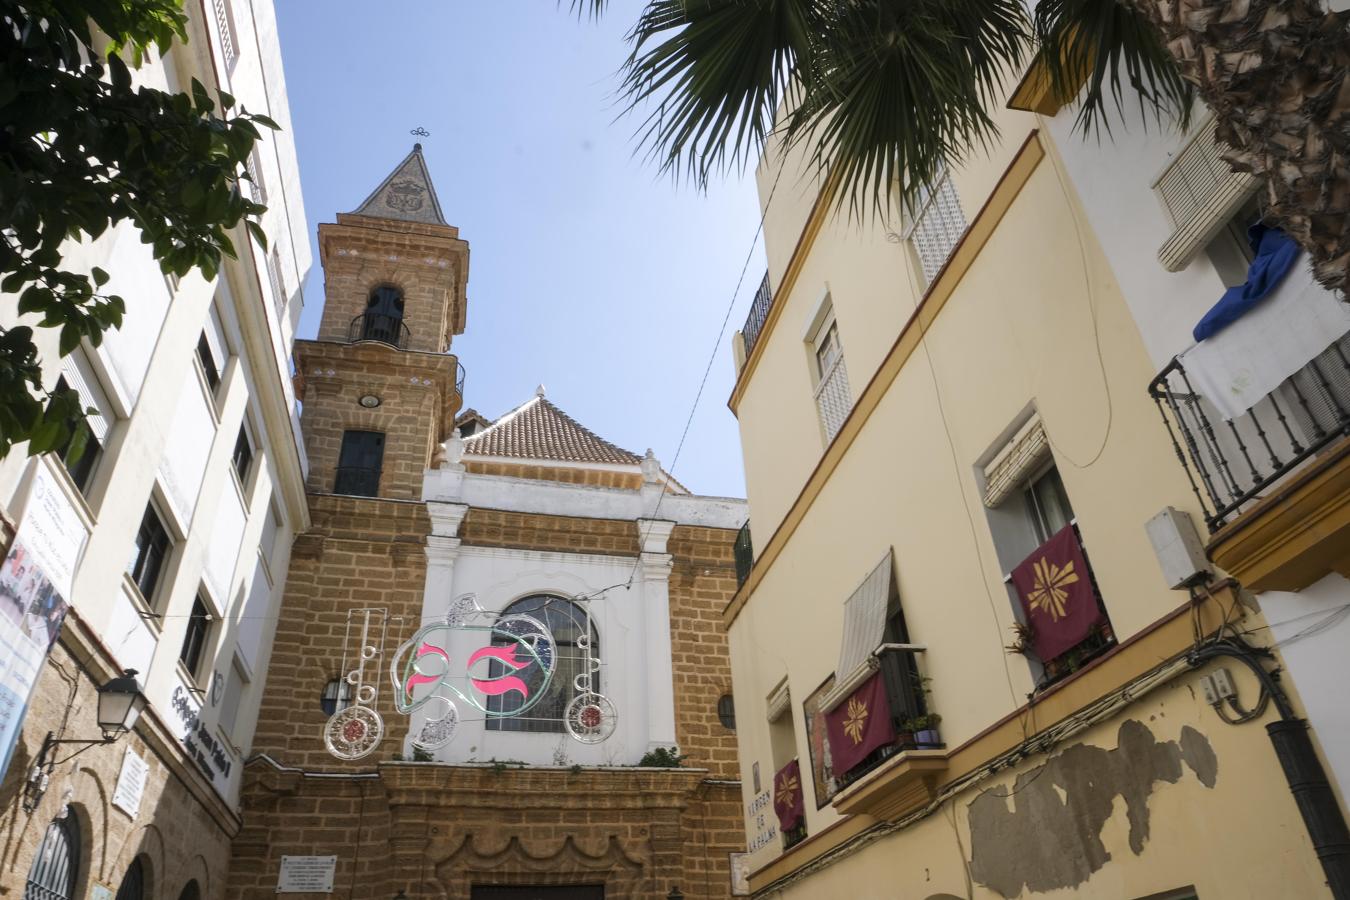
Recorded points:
(35, 579)
(822, 774)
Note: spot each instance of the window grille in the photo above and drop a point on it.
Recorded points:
(225, 23)
(937, 226)
(133, 882)
(278, 283)
(833, 399)
(52, 873)
(254, 169)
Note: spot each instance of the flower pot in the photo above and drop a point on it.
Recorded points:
(905, 740)
(927, 738)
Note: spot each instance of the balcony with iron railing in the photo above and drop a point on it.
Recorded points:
(1273, 482)
(744, 554)
(379, 327)
(758, 315)
(1233, 462)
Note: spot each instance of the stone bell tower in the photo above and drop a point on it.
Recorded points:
(379, 391)
(379, 386)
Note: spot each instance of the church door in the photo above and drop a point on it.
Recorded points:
(539, 892)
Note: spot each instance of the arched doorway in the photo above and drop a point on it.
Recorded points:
(190, 891)
(56, 865)
(133, 882)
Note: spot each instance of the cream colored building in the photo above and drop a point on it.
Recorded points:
(923, 405)
(181, 516)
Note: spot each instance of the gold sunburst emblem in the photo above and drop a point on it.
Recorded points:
(1051, 588)
(856, 720)
(787, 791)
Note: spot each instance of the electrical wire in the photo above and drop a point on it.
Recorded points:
(712, 358)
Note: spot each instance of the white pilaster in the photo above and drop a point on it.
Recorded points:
(655, 571)
(442, 551)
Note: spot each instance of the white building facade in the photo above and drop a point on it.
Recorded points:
(186, 503)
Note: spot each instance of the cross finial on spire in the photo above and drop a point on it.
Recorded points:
(539, 391)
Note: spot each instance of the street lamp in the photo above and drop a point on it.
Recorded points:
(120, 702)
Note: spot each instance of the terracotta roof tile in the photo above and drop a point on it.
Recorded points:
(539, 430)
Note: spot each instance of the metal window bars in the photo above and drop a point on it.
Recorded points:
(833, 400)
(936, 227)
(1231, 463)
(225, 23)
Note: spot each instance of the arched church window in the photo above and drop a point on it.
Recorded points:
(567, 622)
(383, 318)
(51, 876)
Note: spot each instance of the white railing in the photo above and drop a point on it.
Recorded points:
(936, 227)
(833, 399)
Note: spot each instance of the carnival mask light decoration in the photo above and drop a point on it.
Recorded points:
(514, 669)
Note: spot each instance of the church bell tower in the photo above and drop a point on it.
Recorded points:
(380, 387)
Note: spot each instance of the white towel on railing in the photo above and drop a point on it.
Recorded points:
(1250, 358)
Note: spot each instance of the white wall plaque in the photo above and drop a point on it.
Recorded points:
(130, 783)
(306, 875)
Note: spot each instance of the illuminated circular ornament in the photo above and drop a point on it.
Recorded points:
(353, 732)
(590, 718)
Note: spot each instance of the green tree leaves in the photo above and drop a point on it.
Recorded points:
(83, 148)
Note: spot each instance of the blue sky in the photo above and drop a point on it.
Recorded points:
(589, 272)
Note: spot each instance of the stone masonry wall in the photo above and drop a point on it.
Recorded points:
(564, 534)
(436, 831)
(416, 395)
(179, 838)
(360, 553)
(702, 582)
(424, 261)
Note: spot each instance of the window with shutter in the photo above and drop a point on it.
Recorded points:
(359, 464)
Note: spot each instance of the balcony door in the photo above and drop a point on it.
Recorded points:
(359, 463)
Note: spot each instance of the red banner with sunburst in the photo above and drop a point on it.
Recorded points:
(859, 725)
(1057, 595)
(788, 799)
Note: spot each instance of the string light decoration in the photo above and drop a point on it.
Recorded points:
(515, 667)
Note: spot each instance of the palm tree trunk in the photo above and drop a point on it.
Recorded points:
(1275, 74)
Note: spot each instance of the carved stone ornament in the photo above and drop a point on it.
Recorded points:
(405, 196)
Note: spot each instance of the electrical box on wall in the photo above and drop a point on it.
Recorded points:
(1176, 543)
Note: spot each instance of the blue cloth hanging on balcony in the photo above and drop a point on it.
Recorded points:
(1275, 255)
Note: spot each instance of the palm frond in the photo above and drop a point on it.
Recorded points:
(715, 72)
(1102, 47)
(588, 8)
(900, 87)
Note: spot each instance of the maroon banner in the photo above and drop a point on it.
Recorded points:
(788, 799)
(859, 725)
(1056, 592)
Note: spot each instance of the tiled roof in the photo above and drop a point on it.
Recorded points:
(539, 430)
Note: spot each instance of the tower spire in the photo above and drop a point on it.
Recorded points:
(406, 194)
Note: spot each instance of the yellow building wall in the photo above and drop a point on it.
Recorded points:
(1239, 838)
(1036, 320)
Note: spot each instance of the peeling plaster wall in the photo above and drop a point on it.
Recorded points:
(1162, 797)
(1045, 831)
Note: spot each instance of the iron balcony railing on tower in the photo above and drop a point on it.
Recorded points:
(378, 327)
(759, 312)
(1233, 461)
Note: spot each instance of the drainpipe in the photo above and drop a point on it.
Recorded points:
(1303, 771)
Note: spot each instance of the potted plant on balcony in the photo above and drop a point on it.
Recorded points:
(904, 734)
(1024, 639)
(926, 735)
